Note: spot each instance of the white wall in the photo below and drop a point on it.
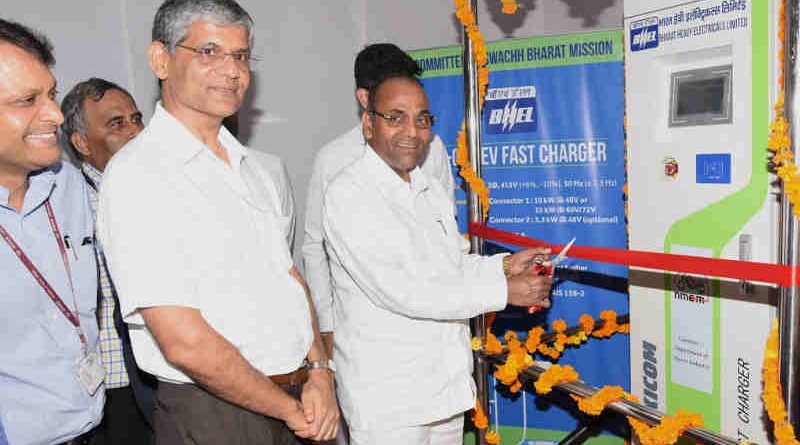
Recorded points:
(301, 96)
(416, 24)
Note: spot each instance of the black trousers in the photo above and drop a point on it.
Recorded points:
(123, 422)
(188, 415)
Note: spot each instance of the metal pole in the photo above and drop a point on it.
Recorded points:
(789, 306)
(472, 119)
(624, 407)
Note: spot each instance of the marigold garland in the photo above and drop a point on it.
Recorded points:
(481, 422)
(509, 6)
(783, 159)
(668, 431)
(520, 358)
(555, 375)
(772, 393)
(467, 18)
(609, 327)
(595, 404)
(479, 418)
(779, 141)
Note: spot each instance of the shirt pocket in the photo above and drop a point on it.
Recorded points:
(83, 262)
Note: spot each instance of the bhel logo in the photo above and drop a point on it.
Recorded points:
(644, 34)
(511, 110)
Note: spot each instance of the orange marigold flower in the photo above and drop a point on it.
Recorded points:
(493, 345)
(587, 321)
(506, 373)
(479, 418)
(548, 352)
(512, 341)
(555, 375)
(534, 338)
(559, 325)
(595, 404)
(492, 438)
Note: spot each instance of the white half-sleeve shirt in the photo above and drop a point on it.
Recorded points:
(405, 287)
(182, 228)
(330, 160)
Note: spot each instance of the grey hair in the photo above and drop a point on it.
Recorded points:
(73, 109)
(174, 17)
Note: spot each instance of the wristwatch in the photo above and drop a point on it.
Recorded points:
(321, 364)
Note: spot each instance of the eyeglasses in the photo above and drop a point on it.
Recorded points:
(213, 55)
(394, 119)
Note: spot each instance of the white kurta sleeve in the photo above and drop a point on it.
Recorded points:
(377, 255)
(286, 193)
(315, 259)
(440, 168)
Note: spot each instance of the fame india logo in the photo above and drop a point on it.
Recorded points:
(511, 110)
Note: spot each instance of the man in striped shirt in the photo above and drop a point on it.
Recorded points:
(100, 118)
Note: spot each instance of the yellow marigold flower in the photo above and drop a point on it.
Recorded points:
(528, 361)
(476, 344)
(506, 373)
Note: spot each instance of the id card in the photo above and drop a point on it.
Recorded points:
(91, 372)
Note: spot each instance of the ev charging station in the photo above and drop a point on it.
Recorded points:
(700, 81)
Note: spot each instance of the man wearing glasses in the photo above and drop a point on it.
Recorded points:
(405, 285)
(372, 64)
(196, 244)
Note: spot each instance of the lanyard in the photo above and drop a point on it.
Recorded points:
(70, 315)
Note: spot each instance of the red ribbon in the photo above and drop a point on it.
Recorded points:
(713, 267)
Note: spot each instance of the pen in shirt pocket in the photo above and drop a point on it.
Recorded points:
(70, 247)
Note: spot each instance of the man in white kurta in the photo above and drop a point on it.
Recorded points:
(405, 285)
(372, 63)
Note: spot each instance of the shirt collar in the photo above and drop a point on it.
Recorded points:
(40, 186)
(92, 174)
(389, 179)
(185, 145)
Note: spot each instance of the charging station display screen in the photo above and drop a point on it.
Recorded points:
(701, 97)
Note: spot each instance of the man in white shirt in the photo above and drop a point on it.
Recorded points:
(372, 63)
(405, 285)
(196, 244)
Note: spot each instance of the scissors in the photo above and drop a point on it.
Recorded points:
(547, 268)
